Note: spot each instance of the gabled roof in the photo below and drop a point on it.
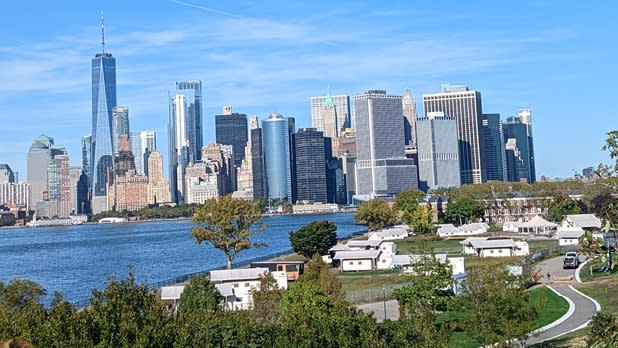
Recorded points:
(493, 244)
(447, 228)
(390, 232)
(363, 243)
(171, 292)
(225, 289)
(473, 227)
(570, 232)
(237, 274)
(356, 254)
(536, 222)
(339, 247)
(583, 221)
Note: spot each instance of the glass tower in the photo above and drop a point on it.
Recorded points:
(277, 159)
(103, 102)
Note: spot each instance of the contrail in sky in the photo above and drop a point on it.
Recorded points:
(204, 8)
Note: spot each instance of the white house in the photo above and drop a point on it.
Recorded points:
(357, 260)
(393, 233)
(511, 226)
(585, 221)
(537, 226)
(569, 235)
(388, 250)
(448, 230)
(521, 248)
(364, 244)
(484, 247)
(242, 281)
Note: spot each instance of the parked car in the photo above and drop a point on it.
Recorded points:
(570, 260)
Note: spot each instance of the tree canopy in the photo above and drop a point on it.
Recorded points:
(376, 214)
(314, 238)
(419, 219)
(407, 200)
(228, 224)
(464, 210)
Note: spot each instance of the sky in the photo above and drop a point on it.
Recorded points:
(557, 58)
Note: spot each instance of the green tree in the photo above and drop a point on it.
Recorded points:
(228, 224)
(266, 300)
(493, 307)
(19, 292)
(407, 200)
(319, 273)
(21, 314)
(200, 295)
(602, 332)
(376, 214)
(419, 219)
(464, 210)
(127, 314)
(562, 205)
(314, 238)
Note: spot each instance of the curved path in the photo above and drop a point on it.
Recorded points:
(581, 307)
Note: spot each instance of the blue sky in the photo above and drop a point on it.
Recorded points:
(556, 58)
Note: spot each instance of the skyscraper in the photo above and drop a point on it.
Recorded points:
(74, 175)
(59, 186)
(6, 174)
(87, 158)
(438, 151)
(410, 116)
(310, 165)
(158, 187)
(382, 168)
(184, 133)
(519, 147)
(322, 105)
(120, 125)
(40, 155)
(260, 185)
(142, 143)
(231, 129)
(465, 105)
(277, 159)
(103, 102)
(493, 154)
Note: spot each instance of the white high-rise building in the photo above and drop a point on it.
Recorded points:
(320, 106)
(438, 151)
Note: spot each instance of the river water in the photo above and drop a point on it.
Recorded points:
(75, 259)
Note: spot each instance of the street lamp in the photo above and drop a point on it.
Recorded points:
(384, 301)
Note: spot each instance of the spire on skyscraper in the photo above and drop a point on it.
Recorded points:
(329, 98)
(102, 34)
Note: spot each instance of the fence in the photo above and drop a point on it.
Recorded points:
(373, 294)
(527, 261)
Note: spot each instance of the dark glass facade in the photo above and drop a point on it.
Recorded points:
(232, 130)
(310, 165)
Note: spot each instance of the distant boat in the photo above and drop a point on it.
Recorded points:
(72, 220)
(112, 220)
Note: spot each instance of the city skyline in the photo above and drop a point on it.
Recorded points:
(547, 65)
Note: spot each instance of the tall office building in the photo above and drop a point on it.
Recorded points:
(465, 105)
(124, 161)
(310, 165)
(258, 169)
(59, 186)
(184, 133)
(519, 148)
(325, 105)
(120, 125)
(40, 155)
(87, 158)
(142, 144)
(6, 174)
(103, 102)
(16, 194)
(231, 129)
(74, 175)
(381, 166)
(277, 159)
(409, 118)
(158, 187)
(438, 151)
(493, 152)
(222, 156)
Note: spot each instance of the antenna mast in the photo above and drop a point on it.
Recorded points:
(102, 34)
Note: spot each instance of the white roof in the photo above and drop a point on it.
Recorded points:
(473, 227)
(447, 228)
(471, 239)
(570, 232)
(536, 222)
(513, 223)
(171, 292)
(339, 247)
(402, 260)
(391, 232)
(356, 254)
(237, 274)
(493, 244)
(583, 220)
(363, 243)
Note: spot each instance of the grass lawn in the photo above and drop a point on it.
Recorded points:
(419, 244)
(605, 291)
(539, 244)
(551, 308)
(363, 287)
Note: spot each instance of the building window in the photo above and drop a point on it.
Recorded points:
(360, 262)
(247, 285)
(351, 263)
(236, 285)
